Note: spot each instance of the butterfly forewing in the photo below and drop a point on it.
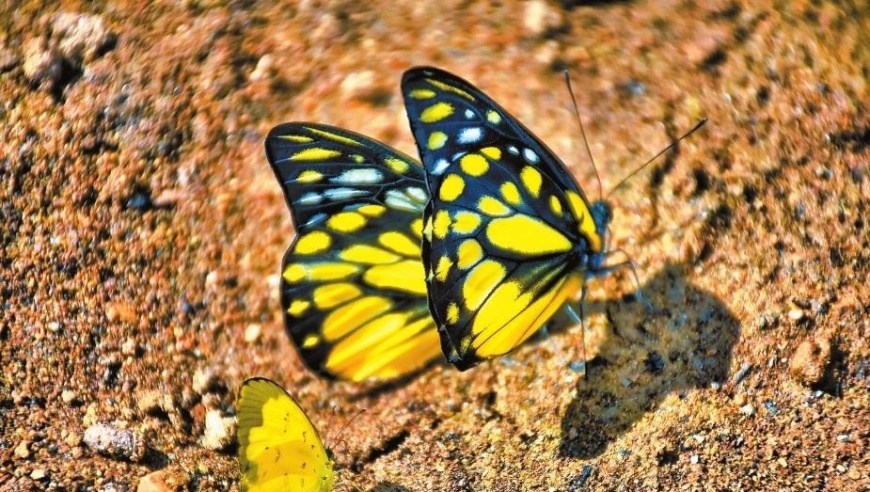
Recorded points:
(508, 233)
(353, 289)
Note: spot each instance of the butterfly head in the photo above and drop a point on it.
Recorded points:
(601, 213)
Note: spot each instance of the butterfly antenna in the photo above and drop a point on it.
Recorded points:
(669, 147)
(582, 130)
(346, 424)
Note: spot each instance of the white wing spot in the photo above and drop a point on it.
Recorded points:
(336, 194)
(530, 156)
(359, 176)
(469, 114)
(441, 165)
(513, 150)
(399, 200)
(310, 198)
(470, 135)
(417, 193)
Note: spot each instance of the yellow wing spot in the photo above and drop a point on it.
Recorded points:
(556, 206)
(320, 272)
(465, 222)
(452, 186)
(400, 243)
(372, 210)
(346, 222)
(474, 164)
(510, 193)
(452, 313)
(436, 112)
(427, 230)
(526, 235)
(493, 153)
(311, 340)
(443, 268)
(334, 137)
(312, 243)
(405, 276)
(348, 317)
(492, 207)
(298, 307)
(585, 224)
(296, 138)
(436, 140)
(449, 88)
(330, 295)
(397, 165)
(441, 224)
(422, 94)
(493, 117)
(368, 255)
(500, 330)
(531, 179)
(468, 254)
(480, 282)
(359, 159)
(314, 154)
(417, 228)
(309, 176)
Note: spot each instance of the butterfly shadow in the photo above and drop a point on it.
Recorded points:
(647, 355)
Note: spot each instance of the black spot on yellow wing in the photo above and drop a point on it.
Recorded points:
(352, 283)
(509, 236)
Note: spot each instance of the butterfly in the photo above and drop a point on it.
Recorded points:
(509, 236)
(352, 282)
(279, 448)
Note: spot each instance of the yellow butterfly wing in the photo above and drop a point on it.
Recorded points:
(279, 449)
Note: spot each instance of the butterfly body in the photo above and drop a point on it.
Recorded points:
(509, 236)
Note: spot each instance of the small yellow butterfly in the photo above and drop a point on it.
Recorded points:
(279, 449)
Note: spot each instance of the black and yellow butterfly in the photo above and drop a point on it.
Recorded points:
(279, 448)
(509, 236)
(353, 289)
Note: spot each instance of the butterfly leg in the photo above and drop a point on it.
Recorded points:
(633, 267)
(578, 318)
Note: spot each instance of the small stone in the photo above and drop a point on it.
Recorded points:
(219, 430)
(67, 396)
(796, 314)
(39, 474)
(252, 332)
(22, 451)
(42, 65)
(747, 409)
(810, 360)
(203, 380)
(115, 442)
(695, 459)
(81, 36)
(539, 17)
(170, 479)
(359, 85)
(742, 373)
(263, 69)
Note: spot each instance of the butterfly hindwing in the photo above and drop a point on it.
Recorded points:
(279, 448)
(509, 235)
(352, 289)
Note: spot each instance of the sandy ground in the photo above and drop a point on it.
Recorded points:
(142, 232)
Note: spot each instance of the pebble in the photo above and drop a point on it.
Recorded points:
(252, 332)
(741, 374)
(203, 379)
(68, 396)
(39, 474)
(168, 479)
(22, 451)
(115, 442)
(81, 36)
(219, 430)
(810, 360)
(42, 65)
(747, 409)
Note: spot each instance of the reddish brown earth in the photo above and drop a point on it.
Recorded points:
(142, 232)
